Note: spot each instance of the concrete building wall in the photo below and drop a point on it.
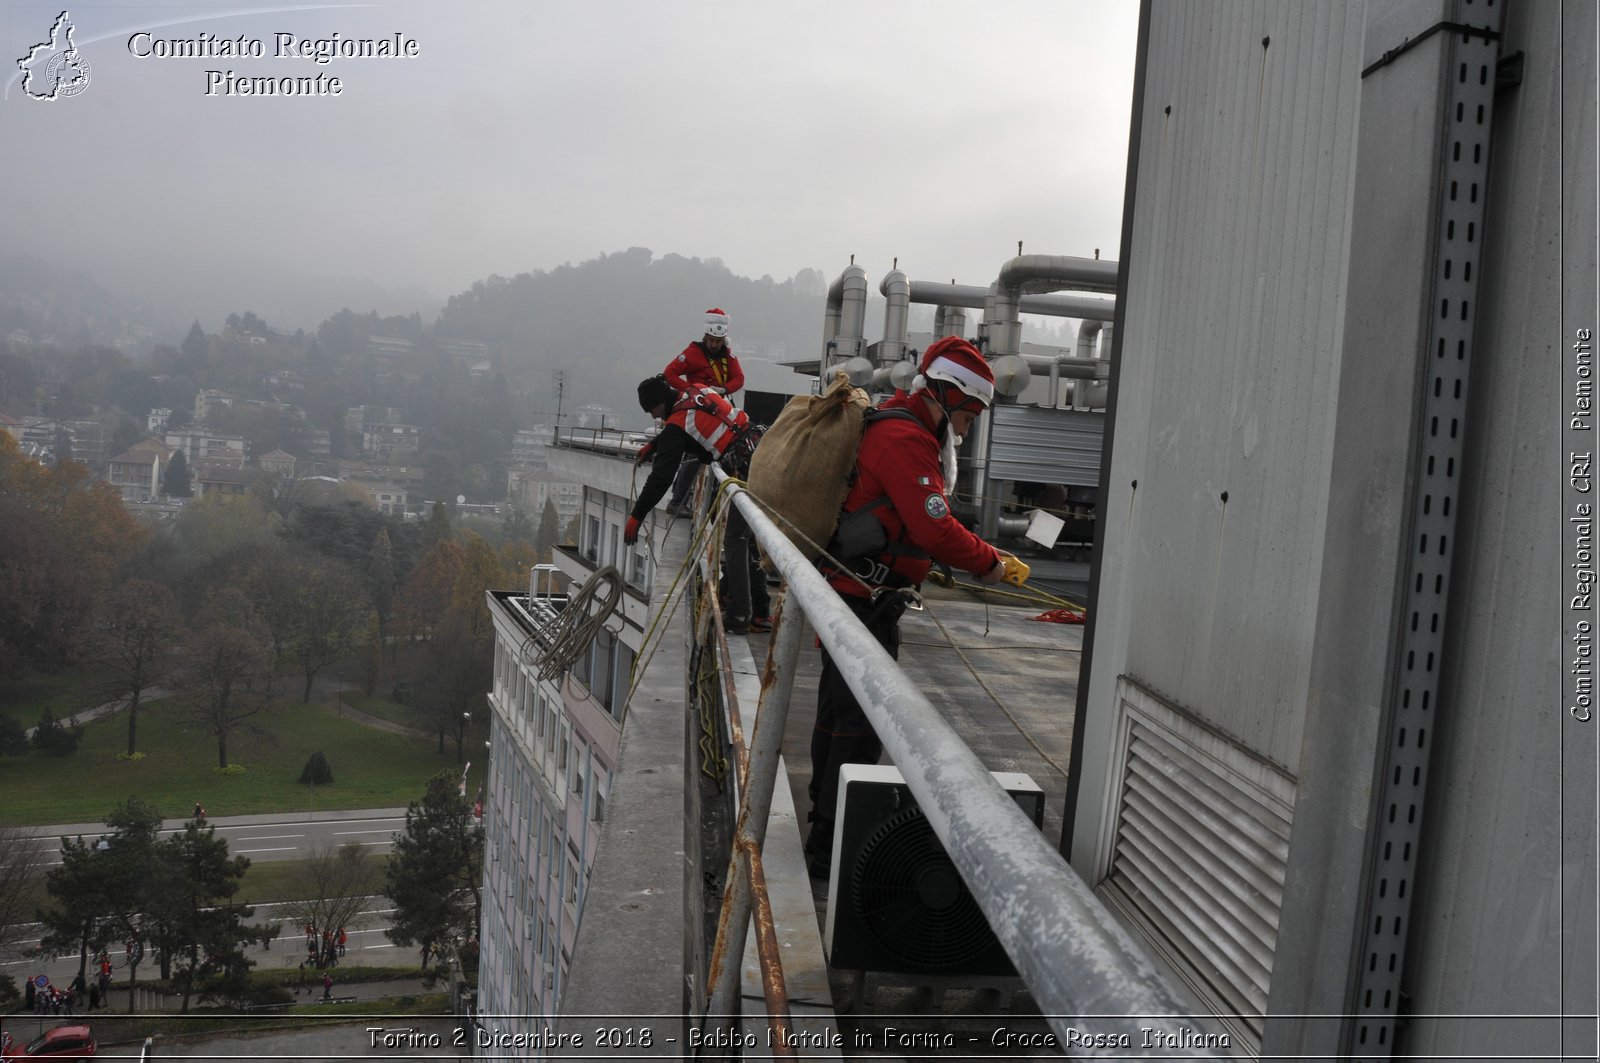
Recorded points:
(1277, 345)
(1229, 363)
(552, 747)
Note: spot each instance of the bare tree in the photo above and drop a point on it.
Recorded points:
(230, 674)
(139, 625)
(24, 856)
(330, 623)
(336, 882)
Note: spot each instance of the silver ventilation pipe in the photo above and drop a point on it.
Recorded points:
(1035, 274)
(896, 316)
(1054, 304)
(844, 323)
(1087, 333)
(947, 320)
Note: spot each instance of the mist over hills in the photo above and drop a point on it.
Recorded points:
(603, 323)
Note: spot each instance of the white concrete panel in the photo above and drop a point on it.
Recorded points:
(1228, 370)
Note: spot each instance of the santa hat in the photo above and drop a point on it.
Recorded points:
(955, 361)
(716, 322)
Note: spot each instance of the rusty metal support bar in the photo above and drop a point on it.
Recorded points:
(777, 684)
(768, 950)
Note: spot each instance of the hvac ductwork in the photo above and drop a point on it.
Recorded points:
(1031, 274)
(1060, 304)
(844, 323)
(896, 292)
(948, 321)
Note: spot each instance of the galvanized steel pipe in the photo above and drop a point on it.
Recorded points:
(846, 316)
(1032, 274)
(1083, 969)
(1056, 304)
(765, 749)
(896, 291)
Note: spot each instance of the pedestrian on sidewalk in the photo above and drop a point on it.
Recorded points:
(343, 940)
(302, 986)
(327, 985)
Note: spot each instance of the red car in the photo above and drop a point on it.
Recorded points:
(63, 1042)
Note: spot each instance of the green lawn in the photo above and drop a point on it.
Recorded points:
(63, 695)
(393, 711)
(372, 769)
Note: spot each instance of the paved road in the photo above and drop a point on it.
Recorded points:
(263, 837)
(368, 945)
(271, 836)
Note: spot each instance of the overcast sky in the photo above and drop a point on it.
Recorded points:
(524, 135)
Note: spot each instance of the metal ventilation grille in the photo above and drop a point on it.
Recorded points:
(1198, 857)
(910, 897)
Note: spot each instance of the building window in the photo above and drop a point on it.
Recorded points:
(624, 680)
(604, 655)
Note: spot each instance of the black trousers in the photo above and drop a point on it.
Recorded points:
(742, 576)
(843, 734)
(683, 482)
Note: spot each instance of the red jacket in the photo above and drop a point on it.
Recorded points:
(701, 425)
(899, 458)
(696, 366)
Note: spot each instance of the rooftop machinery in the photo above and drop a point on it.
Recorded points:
(1050, 447)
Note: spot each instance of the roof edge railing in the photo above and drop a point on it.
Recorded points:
(1085, 971)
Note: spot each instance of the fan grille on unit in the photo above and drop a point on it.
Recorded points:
(910, 897)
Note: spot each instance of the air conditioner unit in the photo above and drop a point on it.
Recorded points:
(895, 900)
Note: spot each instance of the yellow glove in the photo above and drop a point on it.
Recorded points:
(1016, 570)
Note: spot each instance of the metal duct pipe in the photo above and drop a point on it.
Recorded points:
(1033, 274)
(1087, 334)
(1072, 366)
(947, 321)
(844, 322)
(1039, 273)
(1056, 304)
(897, 290)
(1015, 527)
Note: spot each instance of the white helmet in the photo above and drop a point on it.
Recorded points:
(716, 323)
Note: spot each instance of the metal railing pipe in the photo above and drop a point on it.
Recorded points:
(1083, 969)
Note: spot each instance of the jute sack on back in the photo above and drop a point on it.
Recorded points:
(803, 466)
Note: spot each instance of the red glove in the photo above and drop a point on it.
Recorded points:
(630, 533)
(644, 453)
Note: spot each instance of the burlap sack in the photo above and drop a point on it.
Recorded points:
(803, 466)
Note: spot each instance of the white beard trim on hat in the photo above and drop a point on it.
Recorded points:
(947, 452)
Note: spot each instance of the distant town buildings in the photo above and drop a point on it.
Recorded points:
(219, 478)
(528, 446)
(136, 473)
(528, 488)
(198, 443)
(278, 463)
